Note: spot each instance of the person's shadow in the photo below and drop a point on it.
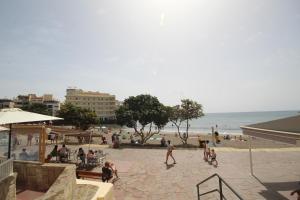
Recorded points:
(169, 166)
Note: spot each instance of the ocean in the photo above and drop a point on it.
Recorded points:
(229, 123)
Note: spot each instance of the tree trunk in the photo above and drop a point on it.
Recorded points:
(187, 132)
(142, 138)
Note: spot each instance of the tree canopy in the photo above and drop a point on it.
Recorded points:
(37, 108)
(76, 116)
(184, 112)
(143, 112)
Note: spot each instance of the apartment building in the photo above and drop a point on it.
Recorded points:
(47, 99)
(53, 106)
(6, 103)
(103, 104)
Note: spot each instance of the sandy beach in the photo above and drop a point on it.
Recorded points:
(193, 140)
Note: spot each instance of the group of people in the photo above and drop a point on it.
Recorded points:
(61, 154)
(209, 155)
(90, 157)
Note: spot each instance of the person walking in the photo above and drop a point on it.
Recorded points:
(170, 148)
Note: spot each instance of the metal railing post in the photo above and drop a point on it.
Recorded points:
(198, 193)
(220, 188)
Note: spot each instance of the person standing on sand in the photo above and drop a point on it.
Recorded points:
(213, 135)
(169, 152)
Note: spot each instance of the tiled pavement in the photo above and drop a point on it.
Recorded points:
(147, 177)
(143, 174)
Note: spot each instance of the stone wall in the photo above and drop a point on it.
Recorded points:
(35, 176)
(64, 187)
(8, 188)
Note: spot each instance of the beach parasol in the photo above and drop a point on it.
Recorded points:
(15, 115)
(3, 128)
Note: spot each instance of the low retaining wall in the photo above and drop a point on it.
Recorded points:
(58, 181)
(36, 176)
(8, 188)
(64, 186)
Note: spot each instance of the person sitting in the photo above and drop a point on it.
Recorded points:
(91, 157)
(63, 153)
(106, 172)
(53, 153)
(81, 155)
(213, 157)
(104, 141)
(23, 155)
(113, 168)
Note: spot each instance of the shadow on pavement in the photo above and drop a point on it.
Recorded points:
(169, 166)
(273, 189)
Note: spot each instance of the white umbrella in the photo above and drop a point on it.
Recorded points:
(3, 128)
(15, 115)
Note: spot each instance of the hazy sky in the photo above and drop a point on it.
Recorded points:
(232, 55)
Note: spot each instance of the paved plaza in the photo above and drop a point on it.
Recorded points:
(143, 174)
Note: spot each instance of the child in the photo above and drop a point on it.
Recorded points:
(207, 154)
(213, 157)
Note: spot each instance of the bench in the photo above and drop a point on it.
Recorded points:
(88, 174)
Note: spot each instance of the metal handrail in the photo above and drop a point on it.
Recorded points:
(6, 168)
(220, 190)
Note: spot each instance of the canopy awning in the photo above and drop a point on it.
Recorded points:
(16, 115)
(3, 128)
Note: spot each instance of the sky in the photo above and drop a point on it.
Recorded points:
(230, 56)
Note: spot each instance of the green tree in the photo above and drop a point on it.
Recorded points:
(76, 116)
(143, 113)
(37, 108)
(88, 118)
(182, 114)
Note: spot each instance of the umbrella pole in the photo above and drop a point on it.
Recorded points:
(9, 142)
(250, 155)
